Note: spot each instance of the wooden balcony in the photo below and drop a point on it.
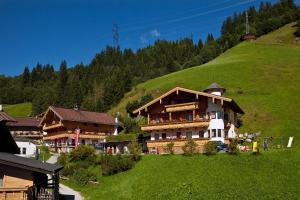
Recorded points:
(52, 126)
(182, 107)
(175, 125)
(67, 134)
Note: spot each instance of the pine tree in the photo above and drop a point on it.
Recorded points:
(25, 77)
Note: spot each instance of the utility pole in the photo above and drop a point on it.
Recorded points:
(247, 23)
(115, 35)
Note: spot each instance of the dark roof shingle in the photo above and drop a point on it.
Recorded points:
(25, 121)
(5, 117)
(83, 116)
(28, 163)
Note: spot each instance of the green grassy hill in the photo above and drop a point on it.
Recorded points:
(272, 175)
(18, 110)
(262, 76)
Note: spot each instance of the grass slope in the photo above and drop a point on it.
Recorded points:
(202, 177)
(262, 76)
(18, 110)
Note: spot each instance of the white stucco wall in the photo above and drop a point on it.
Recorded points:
(215, 123)
(30, 148)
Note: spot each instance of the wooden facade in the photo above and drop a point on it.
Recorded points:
(61, 126)
(23, 178)
(182, 114)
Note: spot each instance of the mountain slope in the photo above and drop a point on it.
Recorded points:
(262, 76)
(18, 110)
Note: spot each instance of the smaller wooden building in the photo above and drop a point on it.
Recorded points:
(24, 178)
(63, 128)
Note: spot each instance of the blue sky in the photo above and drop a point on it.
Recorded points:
(52, 31)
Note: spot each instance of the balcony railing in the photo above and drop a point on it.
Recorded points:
(173, 124)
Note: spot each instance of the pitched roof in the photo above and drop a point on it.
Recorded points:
(28, 163)
(5, 117)
(214, 86)
(230, 101)
(7, 143)
(25, 121)
(81, 116)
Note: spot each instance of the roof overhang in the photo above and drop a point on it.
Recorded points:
(197, 93)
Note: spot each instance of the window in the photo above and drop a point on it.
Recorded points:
(212, 115)
(219, 115)
(1, 179)
(189, 135)
(208, 131)
(214, 131)
(189, 117)
(23, 150)
(164, 136)
(219, 132)
(178, 135)
(156, 136)
(201, 134)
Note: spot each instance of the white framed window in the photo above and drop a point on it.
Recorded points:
(219, 132)
(214, 132)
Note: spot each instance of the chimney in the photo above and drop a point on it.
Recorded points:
(1, 108)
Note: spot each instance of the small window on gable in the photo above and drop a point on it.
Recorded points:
(219, 115)
(24, 150)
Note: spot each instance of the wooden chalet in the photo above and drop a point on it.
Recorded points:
(61, 127)
(182, 114)
(24, 178)
(26, 127)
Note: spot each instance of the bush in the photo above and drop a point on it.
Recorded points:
(72, 168)
(189, 148)
(210, 148)
(135, 150)
(83, 152)
(232, 148)
(84, 176)
(169, 148)
(113, 164)
(63, 159)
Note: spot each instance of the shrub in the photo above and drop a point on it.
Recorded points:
(63, 159)
(210, 148)
(169, 148)
(84, 176)
(189, 148)
(44, 149)
(113, 164)
(232, 148)
(72, 168)
(135, 150)
(83, 152)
